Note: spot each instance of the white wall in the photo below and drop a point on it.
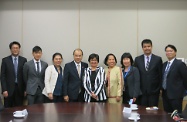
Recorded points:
(102, 26)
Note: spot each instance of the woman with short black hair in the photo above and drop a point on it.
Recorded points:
(131, 78)
(94, 78)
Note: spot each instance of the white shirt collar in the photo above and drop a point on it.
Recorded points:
(36, 61)
(77, 63)
(14, 57)
(171, 61)
(145, 56)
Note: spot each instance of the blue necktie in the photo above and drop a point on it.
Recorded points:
(165, 75)
(15, 68)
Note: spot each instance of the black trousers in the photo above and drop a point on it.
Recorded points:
(171, 104)
(149, 100)
(16, 99)
(126, 97)
(56, 99)
(37, 98)
(79, 99)
(100, 101)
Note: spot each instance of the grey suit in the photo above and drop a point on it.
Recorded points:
(34, 81)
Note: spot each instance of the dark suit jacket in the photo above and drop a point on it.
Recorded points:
(176, 79)
(8, 75)
(72, 82)
(132, 81)
(150, 81)
(32, 78)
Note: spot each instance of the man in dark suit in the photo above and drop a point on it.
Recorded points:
(12, 83)
(34, 73)
(150, 68)
(73, 84)
(174, 81)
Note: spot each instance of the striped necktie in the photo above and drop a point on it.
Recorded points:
(15, 68)
(147, 64)
(165, 75)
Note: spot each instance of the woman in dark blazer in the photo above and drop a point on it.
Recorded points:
(131, 79)
(94, 78)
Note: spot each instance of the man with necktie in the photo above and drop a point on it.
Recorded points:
(174, 81)
(13, 86)
(150, 68)
(73, 81)
(34, 73)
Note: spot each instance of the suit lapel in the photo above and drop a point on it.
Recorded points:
(164, 67)
(74, 68)
(151, 62)
(42, 66)
(142, 62)
(82, 69)
(33, 66)
(11, 63)
(19, 62)
(172, 66)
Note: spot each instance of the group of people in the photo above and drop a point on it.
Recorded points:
(140, 81)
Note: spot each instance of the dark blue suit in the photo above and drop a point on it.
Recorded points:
(15, 90)
(72, 82)
(150, 81)
(176, 84)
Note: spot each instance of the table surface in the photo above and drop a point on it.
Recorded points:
(82, 112)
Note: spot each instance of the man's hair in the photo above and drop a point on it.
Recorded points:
(36, 49)
(172, 47)
(14, 42)
(146, 41)
(78, 49)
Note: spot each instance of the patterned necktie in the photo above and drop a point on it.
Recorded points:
(15, 68)
(38, 68)
(78, 69)
(165, 75)
(147, 64)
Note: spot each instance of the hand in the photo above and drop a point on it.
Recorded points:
(160, 93)
(94, 95)
(134, 100)
(5, 94)
(25, 94)
(118, 98)
(66, 98)
(50, 96)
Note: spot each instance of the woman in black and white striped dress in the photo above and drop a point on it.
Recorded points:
(94, 78)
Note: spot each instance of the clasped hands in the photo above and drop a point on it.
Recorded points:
(94, 96)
